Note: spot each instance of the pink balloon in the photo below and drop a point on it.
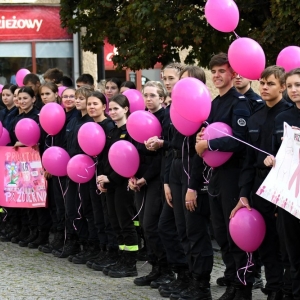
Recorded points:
(289, 58)
(247, 229)
(124, 158)
(191, 99)
(136, 100)
(142, 125)
(28, 132)
(1, 87)
(91, 138)
(55, 161)
(20, 76)
(4, 138)
(52, 118)
(61, 89)
(213, 131)
(183, 125)
(222, 15)
(81, 168)
(242, 54)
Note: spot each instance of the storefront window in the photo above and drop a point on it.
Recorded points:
(54, 55)
(14, 56)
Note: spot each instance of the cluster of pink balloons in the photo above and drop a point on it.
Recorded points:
(191, 103)
(223, 15)
(247, 229)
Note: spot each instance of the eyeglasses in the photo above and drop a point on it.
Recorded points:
(70, 96)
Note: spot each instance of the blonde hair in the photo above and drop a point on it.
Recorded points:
(85, 91)
(162, 92)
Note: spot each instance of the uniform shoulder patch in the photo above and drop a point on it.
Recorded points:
(122, 136)
(241, 122)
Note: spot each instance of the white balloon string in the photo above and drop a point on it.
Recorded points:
(80, 217)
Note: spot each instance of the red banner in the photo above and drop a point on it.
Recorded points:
(22, 182)
(109, 52)
(23, 23)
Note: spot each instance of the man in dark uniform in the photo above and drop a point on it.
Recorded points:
(243, 86)
(232, 108)
(260, 132)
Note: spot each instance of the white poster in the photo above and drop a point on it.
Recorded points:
(282, 185)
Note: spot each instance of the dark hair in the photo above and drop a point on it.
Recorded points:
(67, 81)
(28, 90)
(115, 80)
(33, 78)
(11, 87)
(86, 79)
(128, 84)
(288, 74)
(195, 72)
(54, 74)
(122, 101)
(219, 59)
(98, 95)
(277, 71)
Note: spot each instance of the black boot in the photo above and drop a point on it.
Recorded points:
(42, 239)
(55, 244)
(166, 276)
(197, 290)
(177, 285)
(243, 292)
(109, 259)
(91, 252)
(275, 295)
(24, 233)
(12, 231)
(71, 247)
(32, 236)
(99, 257)
(126, 267)
(229, 293)
(146, 280)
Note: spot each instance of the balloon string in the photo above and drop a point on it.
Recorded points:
(87, 172)
(236, 35)
(140, 207)
(64, 194)
(46, 141)
(5, 214)
(241, 141)
(80, 217)
(246, 269)
(182, 156)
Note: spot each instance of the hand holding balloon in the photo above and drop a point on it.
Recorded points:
(269, 161)
(242, 203)
(201, 146)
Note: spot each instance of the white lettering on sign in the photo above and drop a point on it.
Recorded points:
(110, 55)
(15, 23)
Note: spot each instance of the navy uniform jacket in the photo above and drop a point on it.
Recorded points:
(255, 100)
(260, 135)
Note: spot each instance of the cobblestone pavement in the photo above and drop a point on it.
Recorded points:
(32, 275)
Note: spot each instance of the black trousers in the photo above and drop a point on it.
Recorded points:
(291, 230)
(223, 196)
(192, 227)
(269, 250)
(120, 205)
(150, 200)
(59, 185)
(105, 234)
(76, 223)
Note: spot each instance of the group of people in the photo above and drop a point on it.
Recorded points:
(167, 207)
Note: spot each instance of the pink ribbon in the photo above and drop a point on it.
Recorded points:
(246, 268)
